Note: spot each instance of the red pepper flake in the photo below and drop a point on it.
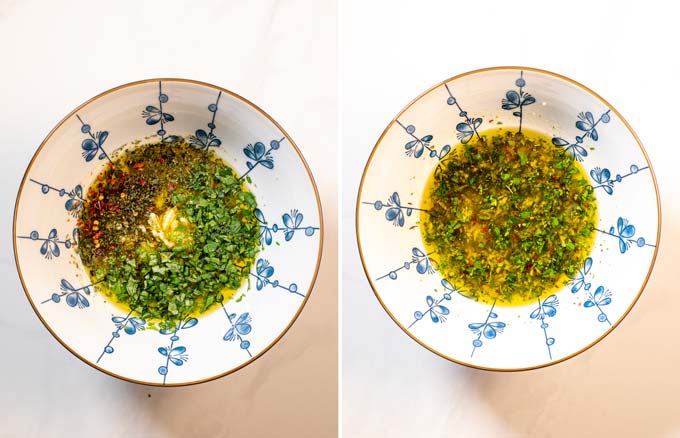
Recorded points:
(161, 159)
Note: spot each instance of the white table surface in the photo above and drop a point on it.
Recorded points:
(279, 54)
(626, 386)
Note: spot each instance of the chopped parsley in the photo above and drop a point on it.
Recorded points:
(509, 217)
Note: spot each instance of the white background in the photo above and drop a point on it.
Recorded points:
(626, 386)
(279, 54)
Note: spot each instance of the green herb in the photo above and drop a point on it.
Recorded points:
(170, 231)
(522, 157)
(510, 218)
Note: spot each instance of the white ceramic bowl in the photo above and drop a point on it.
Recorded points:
(555, 328)
(119, 343)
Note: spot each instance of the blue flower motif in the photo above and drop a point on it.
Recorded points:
(394, 209)
(575, 149)
(422, 262)
(50, 246)
(599, 299)
(604, 180)
(265, 231)
(263, 274)
(602, 177)
(176, 355)
(436, 311)
(625, 231)
(75, 201)
(587, 124)
(418, 258)
(260, 155)
(489, 329)
(416, 147)
(240, 327)
(454, 289)
(155, 114)
(75, 297)
(517, 99)
(292, 222)
(546, 309)
(468, 129)
(129, 324)
(93, 146)
(580, 280)
(206, 140)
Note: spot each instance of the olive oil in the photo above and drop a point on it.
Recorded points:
(508, 217)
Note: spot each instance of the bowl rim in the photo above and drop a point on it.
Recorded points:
(202, 84)
(485, 70)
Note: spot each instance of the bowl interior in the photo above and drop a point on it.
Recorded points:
(549, 330)
(217, 342)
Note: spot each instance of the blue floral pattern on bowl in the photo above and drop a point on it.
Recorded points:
(556, 326)
(201, 347)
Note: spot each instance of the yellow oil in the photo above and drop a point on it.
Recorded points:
(228, 294)
(487, 296)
